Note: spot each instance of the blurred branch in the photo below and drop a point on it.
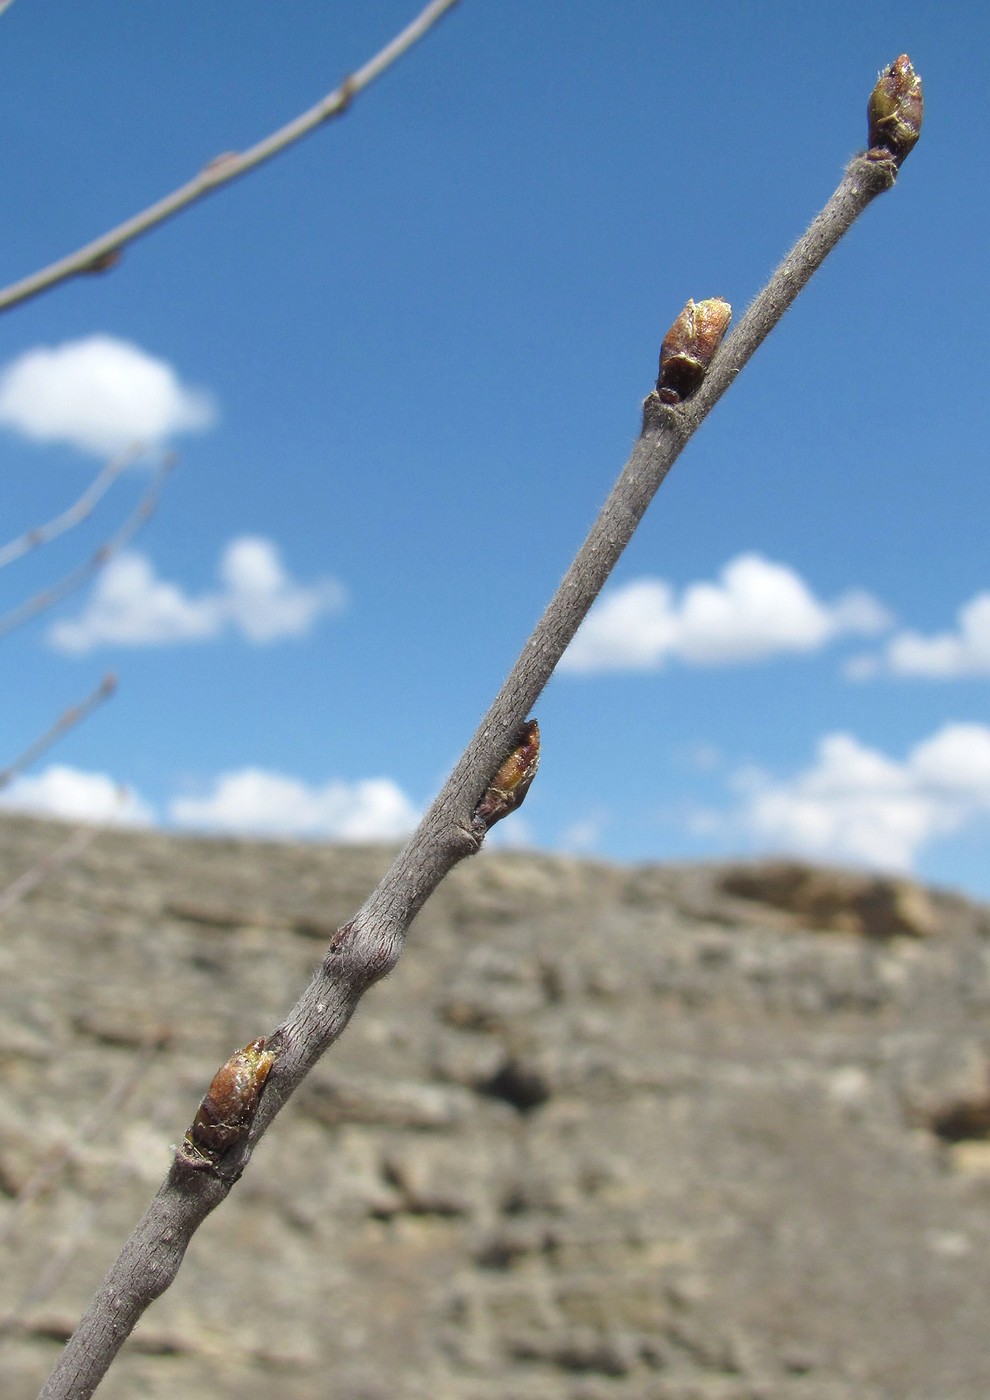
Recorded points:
(48, 597)
(104, 252)
(18, 889)
(61, 1256)
(67, 720)
(488, 781)
(106, 1113)
(43, 534)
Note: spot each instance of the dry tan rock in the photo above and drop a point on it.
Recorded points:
(849, 902)
(605, 1134)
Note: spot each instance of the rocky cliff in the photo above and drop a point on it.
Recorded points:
(654, 1133)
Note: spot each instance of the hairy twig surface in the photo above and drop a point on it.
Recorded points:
(252, 1087)
(104, 252)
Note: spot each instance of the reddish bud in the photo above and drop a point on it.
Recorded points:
(228, 1110)
(689, 347)
(895, 112)
(511, 783)
(103, 262)
(218, 162)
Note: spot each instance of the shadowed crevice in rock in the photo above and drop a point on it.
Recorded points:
(968, 1120)
(519, 1085)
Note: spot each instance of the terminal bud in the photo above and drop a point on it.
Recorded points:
(895, 112)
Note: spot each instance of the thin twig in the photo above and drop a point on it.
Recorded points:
(48, 597)
(369, 946)
(103, 252)
(32, 877)
(76, 513)
(61, 1256)
(67, 720)
(105, 1112)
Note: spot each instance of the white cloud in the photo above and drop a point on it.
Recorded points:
(703, 758)
(585, 833)
(100, 395)
(262, 601)
(756, 609)
(131, 606)
(248, 802)
(76, 796)
(856, 804)
(944, 656)
(258, 802)
(514, 835)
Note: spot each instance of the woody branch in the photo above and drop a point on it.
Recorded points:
(104, 252)
(251, 1088)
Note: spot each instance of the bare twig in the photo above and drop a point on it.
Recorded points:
(252, 1087)
(76, 513)
(48, 597)
(31, 878)
(103, 252)
(106, 1112)
(61, 1256)
(67, 720)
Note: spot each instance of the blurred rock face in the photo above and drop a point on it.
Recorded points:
(660, 1133)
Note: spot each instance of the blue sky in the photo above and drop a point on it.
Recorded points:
(402, 365)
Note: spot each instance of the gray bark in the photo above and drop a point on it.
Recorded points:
(368, 947)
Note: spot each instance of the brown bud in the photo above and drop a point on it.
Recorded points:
(103, 262)
(217, 162)
(895, 110)
(228, 1110)
(511, 783)
(689, 347)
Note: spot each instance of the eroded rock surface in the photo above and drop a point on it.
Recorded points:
(658, 1133)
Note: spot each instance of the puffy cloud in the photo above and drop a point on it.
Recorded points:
(76, 796)
(131, 606)
(262, 601)
(248, 802)
(944, 656)
(755, 609)
(259, 802)
(99, 395)
(856, 804)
